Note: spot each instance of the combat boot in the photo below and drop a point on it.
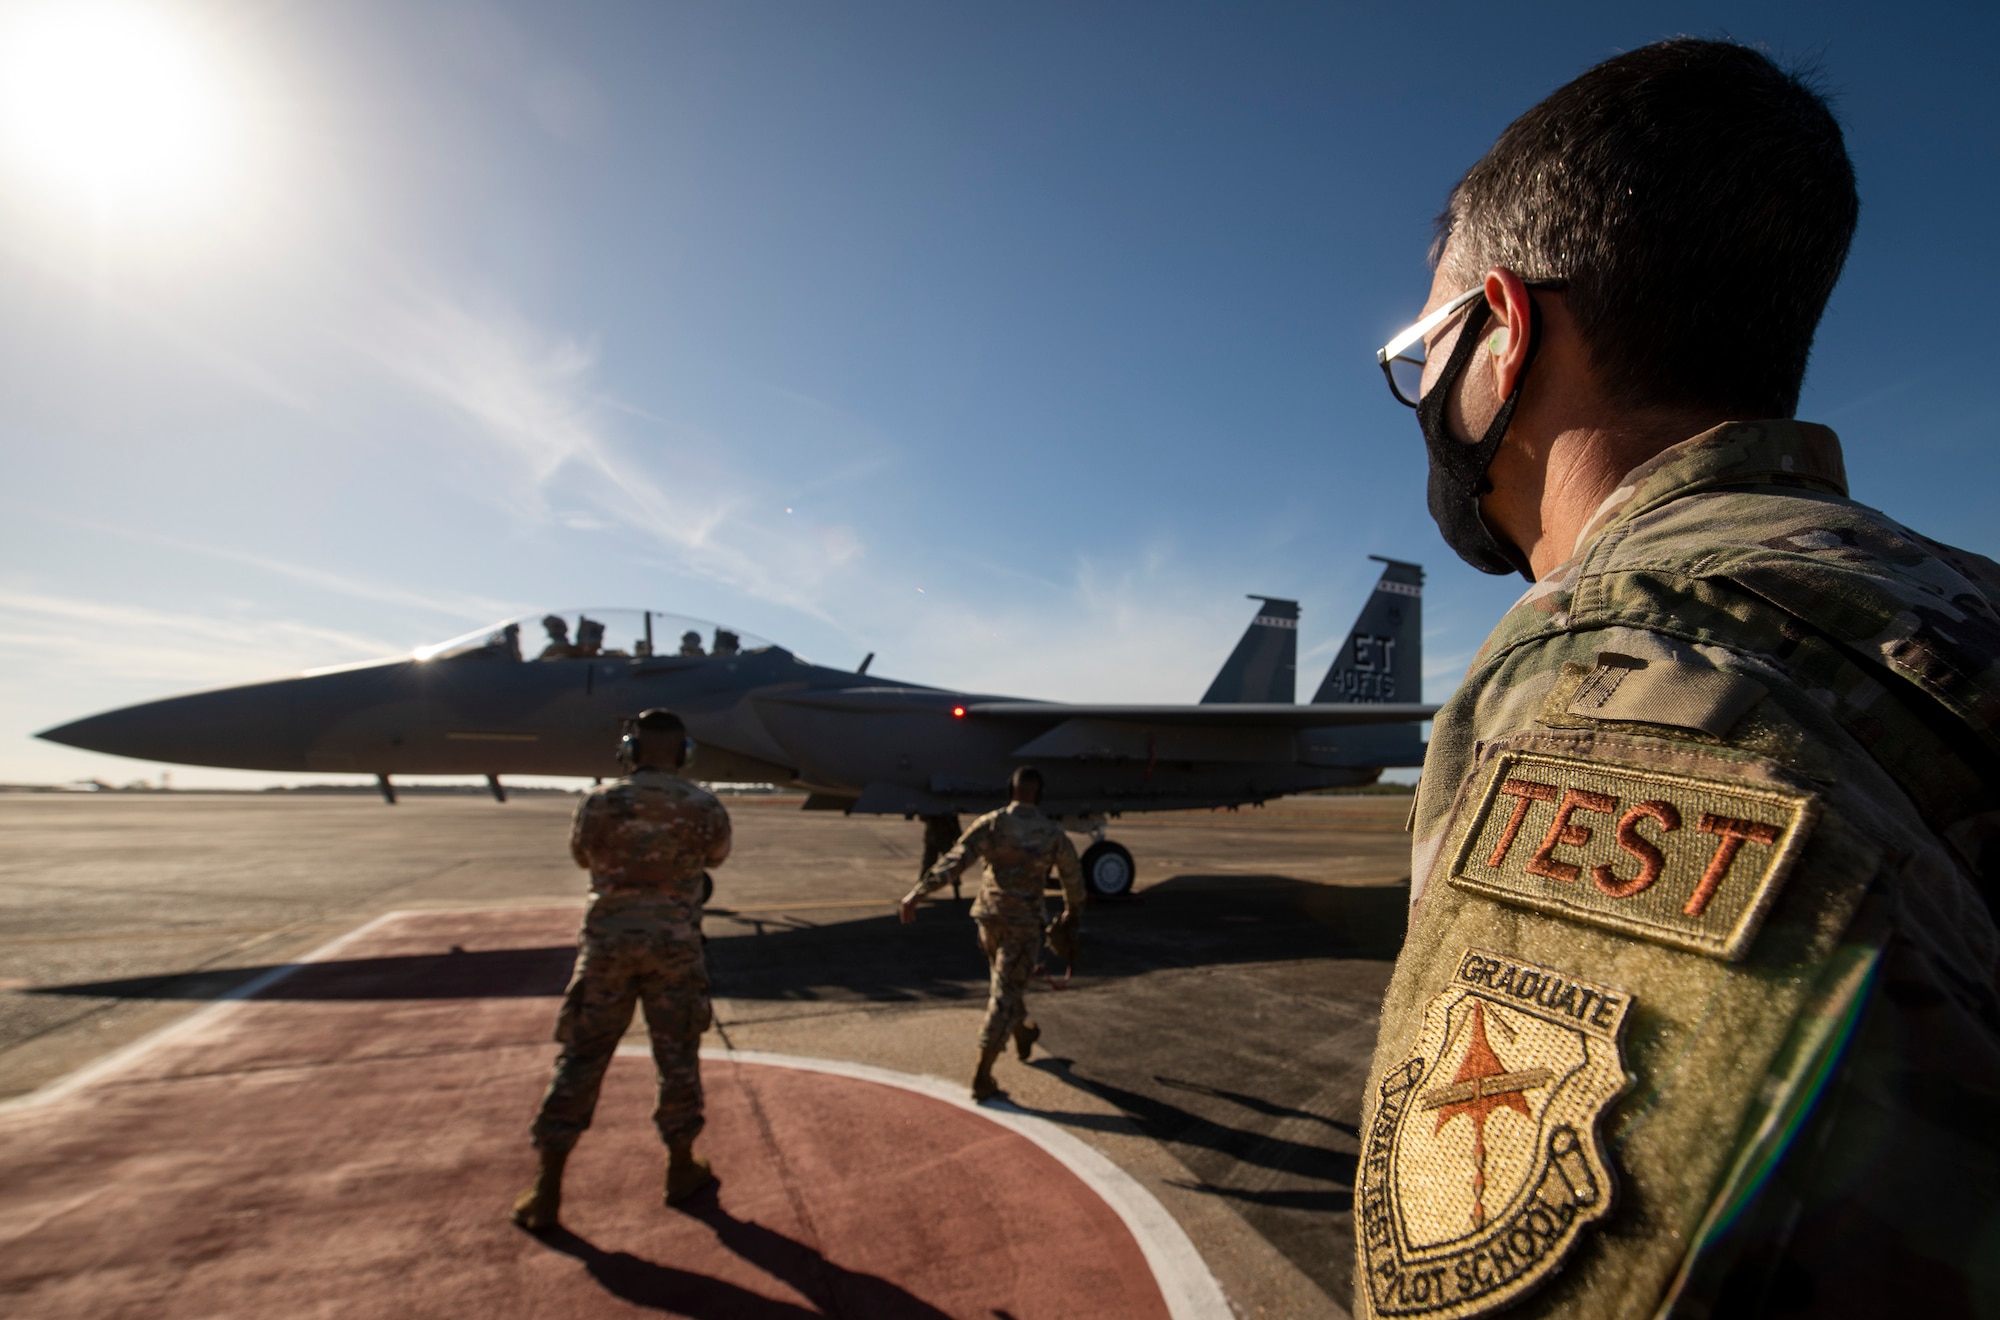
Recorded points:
(983, 1085)
(537, 1208)
(687, 1172)
(1025, 1036)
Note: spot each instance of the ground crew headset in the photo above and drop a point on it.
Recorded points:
(656, 721)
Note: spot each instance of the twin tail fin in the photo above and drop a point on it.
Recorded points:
(1383, 658)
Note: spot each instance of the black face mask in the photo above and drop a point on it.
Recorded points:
(1458, 470)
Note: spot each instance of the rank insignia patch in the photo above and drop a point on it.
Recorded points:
(1685, 860)
(1483, 1163)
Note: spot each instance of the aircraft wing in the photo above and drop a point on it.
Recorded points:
(1246, 732)
(1258, 732)
(1215, 715)
(1235, 714)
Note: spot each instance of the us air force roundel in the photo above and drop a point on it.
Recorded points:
(1483, 1163)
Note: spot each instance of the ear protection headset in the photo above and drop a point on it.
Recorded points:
(628, 745)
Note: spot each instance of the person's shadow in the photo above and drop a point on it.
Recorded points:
(833, 1289)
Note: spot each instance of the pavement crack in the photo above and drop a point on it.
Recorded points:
(829, 1297)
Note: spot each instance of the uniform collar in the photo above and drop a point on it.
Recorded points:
(1023, 809)
(1775, 452)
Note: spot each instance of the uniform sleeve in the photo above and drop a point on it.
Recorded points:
(1070, 871)
(580, 830)
(971, 847)
(1679, 831)
(720, 837)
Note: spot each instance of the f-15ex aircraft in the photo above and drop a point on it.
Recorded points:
(481, 704)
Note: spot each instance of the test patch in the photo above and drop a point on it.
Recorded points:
(1482, 1163)
(1686, 860)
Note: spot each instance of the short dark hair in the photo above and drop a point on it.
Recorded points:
(1699, 201)
(1025, 775)
(658, 730)
(659, 720)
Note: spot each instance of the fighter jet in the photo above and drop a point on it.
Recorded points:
(488, 704)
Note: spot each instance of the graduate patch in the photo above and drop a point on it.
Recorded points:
(1682, 859)
(1483, 1163)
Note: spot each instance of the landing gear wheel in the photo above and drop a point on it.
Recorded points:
(707, 887)
(1108, 871)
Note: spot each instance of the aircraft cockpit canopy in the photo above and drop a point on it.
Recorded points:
(584, 634)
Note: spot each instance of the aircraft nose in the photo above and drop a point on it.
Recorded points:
(243, 727)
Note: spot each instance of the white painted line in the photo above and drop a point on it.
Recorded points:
(1190, 1291)
(121, 1059)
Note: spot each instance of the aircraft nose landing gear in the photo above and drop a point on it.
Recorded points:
(1108, 871)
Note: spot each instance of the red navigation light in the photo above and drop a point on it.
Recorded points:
(958, 712)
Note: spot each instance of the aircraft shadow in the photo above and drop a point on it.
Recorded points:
(1185, 922)
(477, 974)
(831, 1288)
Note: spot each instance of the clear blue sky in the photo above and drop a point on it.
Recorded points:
(1014, 343)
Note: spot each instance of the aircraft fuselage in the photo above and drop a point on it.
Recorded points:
(856, 742)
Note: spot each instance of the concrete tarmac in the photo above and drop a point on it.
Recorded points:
(1213, 1043)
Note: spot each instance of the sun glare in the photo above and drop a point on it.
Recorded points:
(111, 104)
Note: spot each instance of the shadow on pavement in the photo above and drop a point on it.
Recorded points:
(1267, 1108)
(832, 1289)
(482, 974)
(663, 1288)
(1187, 921)
(1172, 1125)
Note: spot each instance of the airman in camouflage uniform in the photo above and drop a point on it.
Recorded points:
(1699, 1010)
(1020, 846)
(646, 840)
(940, 833)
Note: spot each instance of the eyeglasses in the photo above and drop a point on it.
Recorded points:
(1402, 358)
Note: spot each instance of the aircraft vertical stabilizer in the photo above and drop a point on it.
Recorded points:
(1383, 658)
(1264, 666)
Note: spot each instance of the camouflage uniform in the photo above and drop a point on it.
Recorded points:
(646, 840)
(1019, 846)
(1698, 1013)
(940, 833)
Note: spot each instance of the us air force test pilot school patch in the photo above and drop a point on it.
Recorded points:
(1483, 1162)
(1686, 860)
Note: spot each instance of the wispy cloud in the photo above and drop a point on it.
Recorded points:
(474, 608)
(1140, 626)
(1113, 632)
(531, 399)
(134, 644)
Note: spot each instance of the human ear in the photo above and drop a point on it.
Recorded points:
(1513, 329)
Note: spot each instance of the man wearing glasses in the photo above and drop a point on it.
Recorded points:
(1698, 1012)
